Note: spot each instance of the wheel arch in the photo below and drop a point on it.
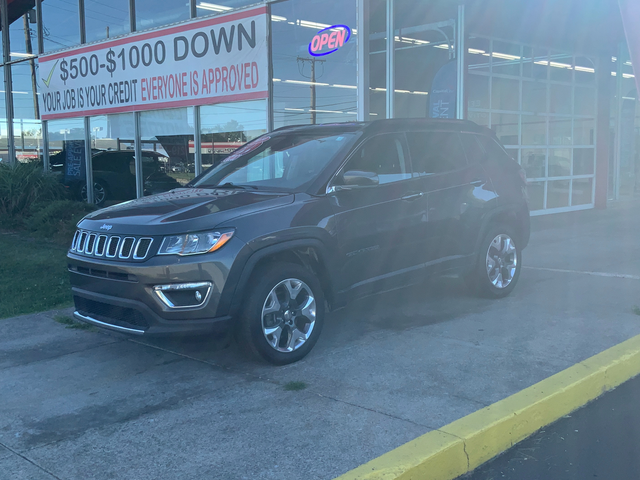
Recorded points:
(312, 254)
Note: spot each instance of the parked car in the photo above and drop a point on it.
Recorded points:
(114, 176)
(303, 217)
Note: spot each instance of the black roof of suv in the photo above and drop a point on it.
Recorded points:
(302, 217)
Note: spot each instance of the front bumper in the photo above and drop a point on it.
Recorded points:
(120, 295)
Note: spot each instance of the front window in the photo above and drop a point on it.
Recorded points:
(282, 162)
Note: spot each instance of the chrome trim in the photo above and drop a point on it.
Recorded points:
(137, 246)
(117, 240)
(160, 289)
(104, 249)
(98, 323)
(124, 240)
(75, 240)
(95, 237)
(81, 243)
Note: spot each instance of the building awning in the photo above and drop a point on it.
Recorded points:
(17, 8)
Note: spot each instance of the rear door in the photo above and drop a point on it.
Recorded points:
(377, 225)
(450, 184)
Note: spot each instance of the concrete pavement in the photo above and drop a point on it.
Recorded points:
(387, 369)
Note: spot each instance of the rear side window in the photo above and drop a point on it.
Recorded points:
(480, 148)
(383, 155)
(435, 152)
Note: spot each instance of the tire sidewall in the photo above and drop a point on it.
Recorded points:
(263, 282)
(483, 284)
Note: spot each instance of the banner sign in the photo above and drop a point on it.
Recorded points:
(200, 62)
(442, 97)
(74, 163)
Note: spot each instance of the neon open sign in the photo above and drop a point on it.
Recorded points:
(331, 38)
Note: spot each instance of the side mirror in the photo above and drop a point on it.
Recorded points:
(358, 178)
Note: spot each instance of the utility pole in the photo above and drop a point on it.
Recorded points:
(312, 61)
(32, 64)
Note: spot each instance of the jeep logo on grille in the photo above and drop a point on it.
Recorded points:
(106, 227)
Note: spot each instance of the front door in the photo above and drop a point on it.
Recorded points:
(376, 225)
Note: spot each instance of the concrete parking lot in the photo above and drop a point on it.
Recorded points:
(79, 404)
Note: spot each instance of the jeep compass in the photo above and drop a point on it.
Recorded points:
(303, 219)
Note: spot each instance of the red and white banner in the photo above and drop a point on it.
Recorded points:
(200, 62)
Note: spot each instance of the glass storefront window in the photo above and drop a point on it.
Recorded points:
(585, 101)
(479, 59)
(534, 130)
(582, 191)
(584, 131)
(226, 127)
(534, 96)
(421, 52)
(67, 153)
(106, 20)
(112, 149)
(536, 195)
(561, 67)
(558, 193)
(560, 131)
(535, 63)
(560, 98)
(167, 160)
(506, 127)
(377, 59)
(155, 13)
(60, 24)
(310, 89)
(583, 161)
(506, 58)
(559, 162)
(533, 162)
(219, 6)
(23, 36)
(505, 94)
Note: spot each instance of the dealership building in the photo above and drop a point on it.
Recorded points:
(132, 97)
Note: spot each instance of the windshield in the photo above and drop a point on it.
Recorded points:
(281, 162)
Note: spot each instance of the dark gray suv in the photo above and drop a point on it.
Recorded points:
(300, 219)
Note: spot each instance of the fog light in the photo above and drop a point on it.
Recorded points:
(184, 295)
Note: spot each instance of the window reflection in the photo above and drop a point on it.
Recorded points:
(60, 24)
(167, 159)
(224, 128)
(106, 19)
(112, 147)
(312, 89)
(155, 13)
(67, 154)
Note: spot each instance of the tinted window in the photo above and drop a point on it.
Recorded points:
(435, 152)
(286, 161)
(383, 155)
(479, 148)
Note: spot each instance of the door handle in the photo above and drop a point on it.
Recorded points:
(412, 196)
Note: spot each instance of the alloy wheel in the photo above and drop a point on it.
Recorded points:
(502, 261)
(288, 315)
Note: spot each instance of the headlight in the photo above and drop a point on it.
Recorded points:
(194, 243)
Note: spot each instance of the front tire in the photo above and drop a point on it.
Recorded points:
(499, 263)
(284, 313)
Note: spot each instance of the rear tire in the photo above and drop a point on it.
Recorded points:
(283, 315)
(499, 262)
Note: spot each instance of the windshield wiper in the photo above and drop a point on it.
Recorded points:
(230, 185)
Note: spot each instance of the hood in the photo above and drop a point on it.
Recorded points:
(182, 210)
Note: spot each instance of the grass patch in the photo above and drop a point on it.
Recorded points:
(295, 386)
(72, 323)
(33, 275)
(636, 310)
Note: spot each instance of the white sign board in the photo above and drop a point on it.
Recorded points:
(200, 62)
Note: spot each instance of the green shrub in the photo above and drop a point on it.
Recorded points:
(23, 185)
(57, 220)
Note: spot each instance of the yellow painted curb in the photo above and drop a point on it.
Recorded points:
(465, 444)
